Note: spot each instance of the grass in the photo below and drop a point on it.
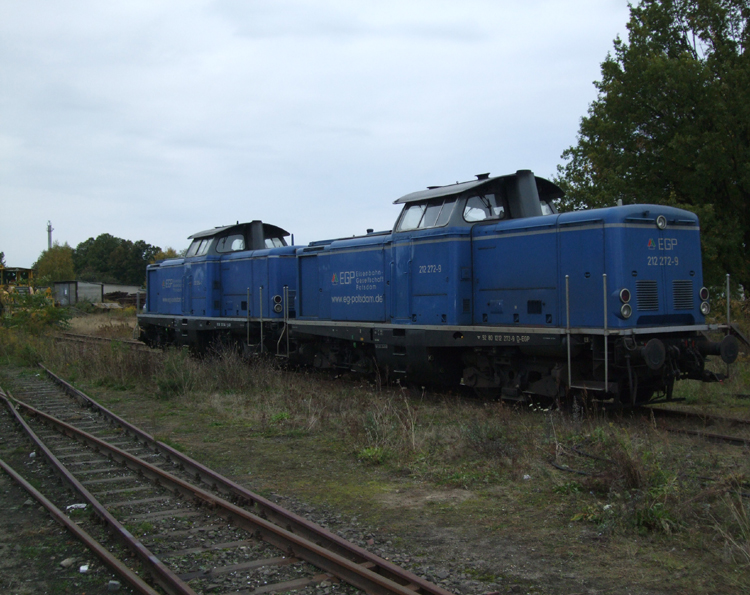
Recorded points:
(665, 505)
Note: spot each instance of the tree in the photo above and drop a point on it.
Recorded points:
(113, 260)
(55, 264)
(2, 260)
(92, 258)
(168, 252)
(671, 125)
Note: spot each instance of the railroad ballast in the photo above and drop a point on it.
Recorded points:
(480, 283)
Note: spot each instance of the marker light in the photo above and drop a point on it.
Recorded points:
(624, 296)
(704, 294)
(705, 308)
(626, 311)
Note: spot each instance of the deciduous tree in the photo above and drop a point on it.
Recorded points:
(168, 252)
(55, 264)
(671, 125)
(109, 259)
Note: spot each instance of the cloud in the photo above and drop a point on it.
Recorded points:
(152, 120)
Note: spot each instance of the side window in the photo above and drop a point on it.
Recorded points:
(274, 243)
(411, 217)
(479, 208)
(475, 209)
(231, 243)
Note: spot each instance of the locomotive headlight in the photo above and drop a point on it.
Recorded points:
(661, 222)
(277, 308)
(626, 311)
(705, 308)
(704, 294)
(624, 296)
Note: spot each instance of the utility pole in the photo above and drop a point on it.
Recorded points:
(49, 235)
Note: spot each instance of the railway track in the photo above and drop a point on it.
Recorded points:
(705, 420)
(191, 530)
(94, 340)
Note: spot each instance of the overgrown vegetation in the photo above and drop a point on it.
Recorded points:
(620, 478)
(32, 314)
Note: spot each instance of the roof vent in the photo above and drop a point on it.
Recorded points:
(483, 176)
(432, 187)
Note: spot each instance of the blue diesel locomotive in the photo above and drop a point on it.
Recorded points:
(480, 283)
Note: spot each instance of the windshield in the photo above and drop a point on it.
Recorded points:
(199, 247)
(434, 213)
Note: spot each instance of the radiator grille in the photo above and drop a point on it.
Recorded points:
(682, 294)
(647, 295)
(534, 307)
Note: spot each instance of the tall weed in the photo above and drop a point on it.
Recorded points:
(33, 314)
(732, 522)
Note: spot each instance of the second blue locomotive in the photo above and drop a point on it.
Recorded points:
(480, 283)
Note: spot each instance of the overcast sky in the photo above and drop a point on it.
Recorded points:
(156, 119)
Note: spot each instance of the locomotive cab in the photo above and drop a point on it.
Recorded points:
(255, 235)
(233, 281)
(485, 199)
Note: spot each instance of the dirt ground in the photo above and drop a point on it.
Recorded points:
(494, 539)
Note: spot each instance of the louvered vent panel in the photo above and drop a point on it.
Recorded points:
(647, 295)
(682, 294)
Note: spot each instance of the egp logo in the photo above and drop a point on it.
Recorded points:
(346, 277)
(663, 243)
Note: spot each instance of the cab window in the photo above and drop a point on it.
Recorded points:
(193, 248)
(198, 247)
(411, 218)
(547, 208)
(274, 243)
(203, 248)
(480, 208)
(430, 214)
(231, 243)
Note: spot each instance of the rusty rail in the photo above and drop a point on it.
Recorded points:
(679, 413)
(169, 581)
(280, 517)
(712, 437)
(115, 564)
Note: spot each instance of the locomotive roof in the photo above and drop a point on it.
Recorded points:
(269, 231)
(547, 190)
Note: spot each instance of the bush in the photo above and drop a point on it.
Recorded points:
(33, 313)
